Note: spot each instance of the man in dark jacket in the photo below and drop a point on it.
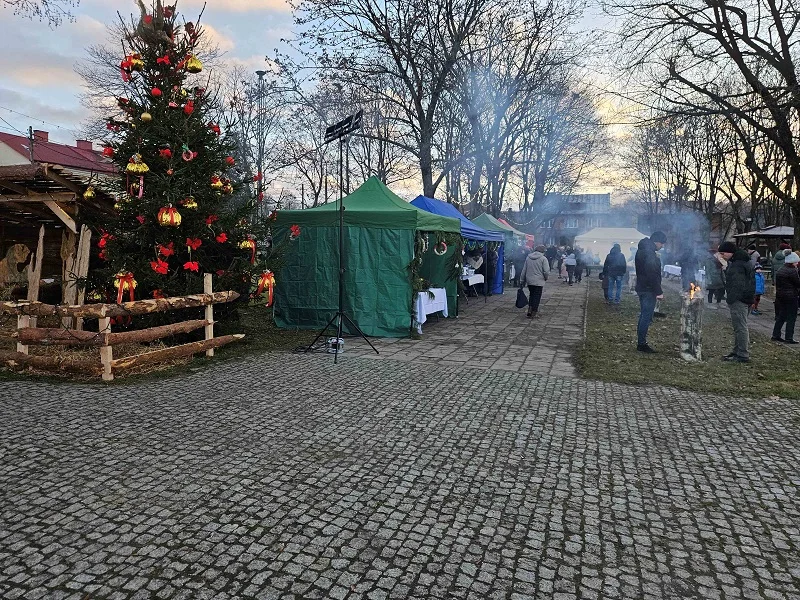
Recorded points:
(614, 269)
(787, 288)
(648, 284)
(740, 291)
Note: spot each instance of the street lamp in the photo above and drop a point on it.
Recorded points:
(260, 135)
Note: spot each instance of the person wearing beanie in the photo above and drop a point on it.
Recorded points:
(787, 288)
(740, 289)
(777, 260)
(648, 285)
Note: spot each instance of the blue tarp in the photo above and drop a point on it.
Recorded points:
(468, 229)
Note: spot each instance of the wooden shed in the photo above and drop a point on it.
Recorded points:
(42, 239)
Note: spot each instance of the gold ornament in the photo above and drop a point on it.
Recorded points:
(216, 183)
(146, 117)
(169, 217)
(137, 64)
(89, 193)
(189, 202)
(126, 280)
(193, 64)
(136, 165)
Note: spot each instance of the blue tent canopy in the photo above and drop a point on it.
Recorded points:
(468, 229)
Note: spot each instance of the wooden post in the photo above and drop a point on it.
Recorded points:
(208, 288)
(106, 352)
(35, 273)
(68, 289)
(82, 268)
(692, 325)
(23, 321)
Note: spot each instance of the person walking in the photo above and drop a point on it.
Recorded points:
(714, 282)
(570, 262)
(759, 275)
(648, 285)
(614, 269)
(787, 288)
(740, 291)
(534, 275)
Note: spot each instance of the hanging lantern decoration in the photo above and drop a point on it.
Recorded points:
(137, 64)
(168, 216)
(136, 165)
(124, 282)
(189, 107)
(187, 154)
(249, 244)
(189, 202)
(193, 64)
(108, 152)
(266, 280)
(89, 193)
(216, 183)
(146, 117)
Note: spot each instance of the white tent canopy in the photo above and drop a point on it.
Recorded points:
(600, 239)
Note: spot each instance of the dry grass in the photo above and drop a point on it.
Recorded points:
(609, 353)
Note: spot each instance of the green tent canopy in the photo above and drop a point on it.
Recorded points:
(379, 231)
(489, 223)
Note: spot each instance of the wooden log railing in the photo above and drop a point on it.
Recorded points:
(28, 334)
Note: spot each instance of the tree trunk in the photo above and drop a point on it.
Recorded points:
(173, 352)
(796, 221)
(426, 169)
(17, 360)
(46, 337)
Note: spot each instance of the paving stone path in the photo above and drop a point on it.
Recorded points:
(289, 477)
(494, 334)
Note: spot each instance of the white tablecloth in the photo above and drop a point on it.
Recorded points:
(472, 279)
(425, 305)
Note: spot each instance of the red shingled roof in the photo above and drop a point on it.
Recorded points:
(59, 154)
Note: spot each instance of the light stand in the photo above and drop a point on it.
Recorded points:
(339, 131)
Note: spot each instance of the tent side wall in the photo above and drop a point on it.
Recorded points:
(377, 284)
(434, 269)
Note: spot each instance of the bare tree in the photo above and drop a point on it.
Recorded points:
(737, 59)
(52, 11)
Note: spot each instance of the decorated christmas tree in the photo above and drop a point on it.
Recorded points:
(174, 219)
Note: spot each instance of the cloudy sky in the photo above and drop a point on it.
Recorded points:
(38, 62)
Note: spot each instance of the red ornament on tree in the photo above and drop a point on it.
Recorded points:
(165, 153)
(231, 161)
(189, 107)
(108, 152)
(156, 92)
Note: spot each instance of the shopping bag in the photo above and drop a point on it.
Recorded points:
(522, 299)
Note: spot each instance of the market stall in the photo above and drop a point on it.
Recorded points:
(476, 239)
(384, 239)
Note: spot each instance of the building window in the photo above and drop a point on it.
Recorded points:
(572, 223)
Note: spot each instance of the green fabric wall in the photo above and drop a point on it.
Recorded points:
(434, 269)
(377, 286)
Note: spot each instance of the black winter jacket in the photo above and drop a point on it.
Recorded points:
(615, 264)
(787, 283)
(648, 268)
(740, 279)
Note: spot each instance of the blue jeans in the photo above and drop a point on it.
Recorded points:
(647, 304)
(614, 288)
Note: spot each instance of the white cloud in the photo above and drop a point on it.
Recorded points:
(223, 42)
(239, 5)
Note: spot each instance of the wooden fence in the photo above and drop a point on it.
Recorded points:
(29, 334)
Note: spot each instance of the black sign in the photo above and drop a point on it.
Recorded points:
(344, 127)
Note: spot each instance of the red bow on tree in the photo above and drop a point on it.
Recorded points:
(141, 219)
(294, 231)
(211, 218)
(165, 153)
(163, 60)
(222, 237)
(191, 266)
(166, 251)
(159, 266)
(194, 243)
(267, 280)
(215, 128)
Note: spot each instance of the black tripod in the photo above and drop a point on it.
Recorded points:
(338, 132)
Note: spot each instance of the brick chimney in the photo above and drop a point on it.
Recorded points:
(41, 136)
(84, 145)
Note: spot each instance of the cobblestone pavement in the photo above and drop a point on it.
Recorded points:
(289, 477)
(496, 335)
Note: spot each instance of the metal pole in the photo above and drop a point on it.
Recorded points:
(260, 133)
(341, 256)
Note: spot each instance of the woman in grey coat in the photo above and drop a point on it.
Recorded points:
(534, 275)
